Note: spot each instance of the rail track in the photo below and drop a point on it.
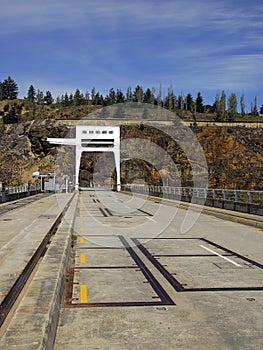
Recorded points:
(19, 284)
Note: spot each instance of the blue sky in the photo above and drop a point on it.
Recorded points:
(205, 45)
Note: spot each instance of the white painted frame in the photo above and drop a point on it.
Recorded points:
(93, 138)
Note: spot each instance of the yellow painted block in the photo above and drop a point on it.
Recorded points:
(83, 294)
(82, 239)
(81, 229)
(82, 258)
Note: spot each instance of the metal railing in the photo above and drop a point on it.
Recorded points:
(21, 189)
(236, 196)
(9, 193)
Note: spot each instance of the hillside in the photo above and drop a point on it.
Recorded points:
(234, 154)
(27, 112)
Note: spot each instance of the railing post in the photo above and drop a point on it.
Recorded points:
(214, 194)
(250, 200)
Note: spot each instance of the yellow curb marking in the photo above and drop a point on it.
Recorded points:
(82, 258)
(83, 294)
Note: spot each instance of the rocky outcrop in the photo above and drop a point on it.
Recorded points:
(234, 155)
(23, 150)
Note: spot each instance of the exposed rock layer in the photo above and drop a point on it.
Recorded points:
(234, 155)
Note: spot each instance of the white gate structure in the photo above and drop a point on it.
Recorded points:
(93, 139)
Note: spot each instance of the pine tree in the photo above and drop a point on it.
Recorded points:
(232, 107)
(93, 95)
(189, 102)
(138, 94)
(48, 98)
(40, 97)
(199, 103)
(153, 99)
(254, 108)
(242, 105)
(1, 91)
(223, 106)
(147, 97)
(119, 96)
(220, 106)
(170, 98)
(181, 104)
(77, 98)
(31, 94)
(66, 100)
(129, 97)
(112, 96)
(9, 89)
(159, 96)
(11, 117)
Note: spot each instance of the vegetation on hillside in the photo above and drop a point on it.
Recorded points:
(40, 105)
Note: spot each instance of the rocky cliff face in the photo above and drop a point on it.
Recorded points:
(234, 155)
(23, 150)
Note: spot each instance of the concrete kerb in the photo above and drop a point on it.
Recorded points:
(225, 214)
(34, 324)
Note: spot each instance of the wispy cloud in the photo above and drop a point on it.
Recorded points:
(151, 13)
(207, 44)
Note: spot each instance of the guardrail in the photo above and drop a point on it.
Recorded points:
(238, 200)
(8, 193)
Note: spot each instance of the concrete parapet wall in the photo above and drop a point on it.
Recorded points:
(13, 196)
(242, 207)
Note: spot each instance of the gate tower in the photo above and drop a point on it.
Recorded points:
(93, 139)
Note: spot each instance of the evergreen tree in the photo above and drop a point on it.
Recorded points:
(66, 102)
(9, 89)
(11, 117)
(223, 105)
(1, 91)
(119, 96)
(40, 97)
(59, 101)
(138, 94)
(261, 110)
(189, 102)
(181, 102)
(159, 96)
(87, 98)
(48, 98)
(147, 96)
(129, 97)
(153, 99)
(77, 98)
(217, 106)
(254, 108)
(199, 103)
(71, 99)
(112, 96)
(232, 107)
(220, 106)
(93, 95)
(242, 105)
(31, 94)
(171, 98)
